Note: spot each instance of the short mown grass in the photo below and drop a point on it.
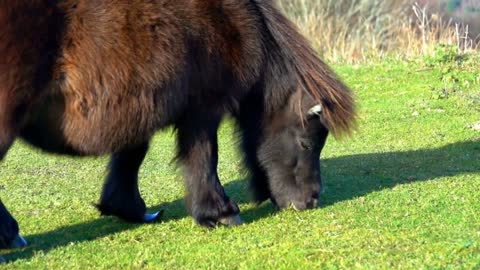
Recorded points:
(403, 192)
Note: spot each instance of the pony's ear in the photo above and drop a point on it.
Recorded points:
(315, 110)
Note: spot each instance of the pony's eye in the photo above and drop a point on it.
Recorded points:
(305, 145)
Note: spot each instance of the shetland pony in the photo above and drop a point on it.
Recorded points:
(86, 77)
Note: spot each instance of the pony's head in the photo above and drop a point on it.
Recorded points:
(290, 151)
(307, 101)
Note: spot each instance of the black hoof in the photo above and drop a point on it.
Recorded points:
(216, 213)
(129, 215)
(19, 242)
(231, 221)
(153, 217)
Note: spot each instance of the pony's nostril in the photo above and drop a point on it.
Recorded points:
(312, 203)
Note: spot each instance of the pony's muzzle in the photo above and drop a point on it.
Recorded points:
(308, 204)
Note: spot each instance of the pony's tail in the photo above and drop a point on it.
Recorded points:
(314, 77)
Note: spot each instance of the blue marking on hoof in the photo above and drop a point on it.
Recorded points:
(19, 242)
(149, 218)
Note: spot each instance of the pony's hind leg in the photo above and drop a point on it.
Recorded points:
(5, 144)
(10, 118)
(198, 151)
(9, 236)
(7, 126)
(121, 196)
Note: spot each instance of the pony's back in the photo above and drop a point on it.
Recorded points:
(140, 64)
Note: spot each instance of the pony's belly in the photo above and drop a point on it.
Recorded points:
(43, 127)
(107, 131)
(59, 127)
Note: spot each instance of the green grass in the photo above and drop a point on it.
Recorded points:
(403, 192)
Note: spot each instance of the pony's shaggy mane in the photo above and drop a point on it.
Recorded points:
(313, 77)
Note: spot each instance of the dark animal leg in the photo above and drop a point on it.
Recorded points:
(250, 128)
(258, 177)
(198, 151)
(121, 196)
(259, 184)
(7, 128)
(4, 146)
(9, 237)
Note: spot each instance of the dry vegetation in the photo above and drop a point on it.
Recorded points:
(363, 30)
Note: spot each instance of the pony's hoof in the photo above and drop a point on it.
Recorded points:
(231, 221)
(149, 218)
(19, 242)
(2, 260)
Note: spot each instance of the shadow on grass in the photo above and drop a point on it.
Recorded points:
(346, 178)
(354, 176)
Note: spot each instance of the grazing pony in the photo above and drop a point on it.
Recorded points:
(86, 77)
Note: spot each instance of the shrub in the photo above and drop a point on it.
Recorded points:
(361, 30)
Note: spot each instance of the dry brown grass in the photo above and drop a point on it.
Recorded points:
(364, 30)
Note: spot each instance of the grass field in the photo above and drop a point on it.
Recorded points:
(403, 192)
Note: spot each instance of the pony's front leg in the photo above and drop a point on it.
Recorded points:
(198, 151)
(9, 236)
(121, 196)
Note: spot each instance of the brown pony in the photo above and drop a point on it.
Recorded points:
(86, 77)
